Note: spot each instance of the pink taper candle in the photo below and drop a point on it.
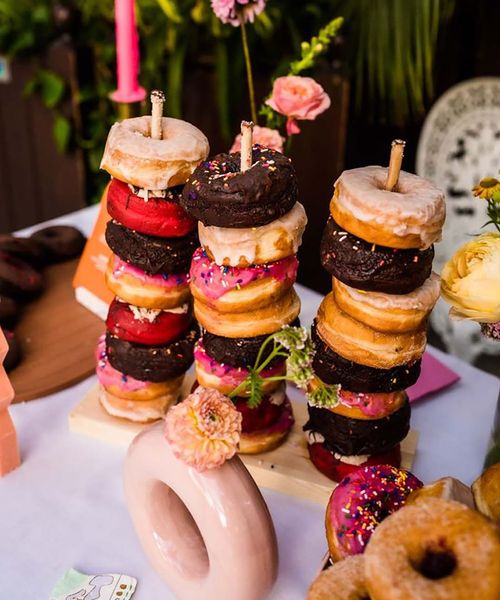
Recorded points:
(127, 54)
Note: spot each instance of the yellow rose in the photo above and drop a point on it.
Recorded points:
(470, 280)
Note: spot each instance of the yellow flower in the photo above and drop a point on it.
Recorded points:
(470, 280)
(487, 188)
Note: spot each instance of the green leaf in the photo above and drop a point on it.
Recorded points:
(30, 87)
(52, 87)
(62, 132)
(169, 7)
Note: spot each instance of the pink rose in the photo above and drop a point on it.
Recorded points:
(298, 98)
(269, 138)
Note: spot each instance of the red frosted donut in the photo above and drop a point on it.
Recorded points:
(147, 326)
(336, 469)
(360, 502)
(162, 217)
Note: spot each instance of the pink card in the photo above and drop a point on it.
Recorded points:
(434, 376)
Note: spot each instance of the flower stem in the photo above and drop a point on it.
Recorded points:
(248, 64)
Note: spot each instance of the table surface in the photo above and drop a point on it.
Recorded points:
(64, 507)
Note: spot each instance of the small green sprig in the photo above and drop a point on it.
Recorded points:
(293, 344)
(317, 46)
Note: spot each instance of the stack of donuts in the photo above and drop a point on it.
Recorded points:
(150, 330)
(242, 276)
(370, 331)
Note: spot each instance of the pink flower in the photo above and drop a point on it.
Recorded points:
(204, 430)
(228, 11)
(298, 98)
(269, 138)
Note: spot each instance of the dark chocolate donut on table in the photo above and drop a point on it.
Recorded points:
(348, 437)
(152, 254)
(219, 194)
(332, 368)
(152, 363)
(9, 311)
(18, 279)
(29, 250)
(14, 355)
(373, 268)
(61, 242)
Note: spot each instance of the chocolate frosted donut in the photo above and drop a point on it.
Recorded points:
(61, 242)
(18, 279)
(152, 363)
(331, 367)
(29, 250)
(14, 355)
(9, 311)
(152, 254)
(219, 194)
(349, 437)
(373, 268)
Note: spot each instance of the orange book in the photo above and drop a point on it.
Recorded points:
(89, 284)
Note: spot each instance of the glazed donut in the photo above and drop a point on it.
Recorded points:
(332, 368)
(360, 405)
(389, 313)
(255, 245)
(219, 194)
(257, 322)
(18, 279)
(136, 287)
(153, 255)
(126, 387)
(26, 249)
(152, 363)
(151, 327)
(448, 488)
(362, 344)
(486, 490)
(61, 242)
(411, 216)
(144, 411)
(225, 378)
(373, 268)
(131, 155)
(160, 216)
(9, 311)
(353, 437)
(344, 580)
(233, 289)
(434, 549)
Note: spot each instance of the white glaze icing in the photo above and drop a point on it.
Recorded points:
(357, 459)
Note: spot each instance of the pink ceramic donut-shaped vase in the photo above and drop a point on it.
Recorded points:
(208, 534)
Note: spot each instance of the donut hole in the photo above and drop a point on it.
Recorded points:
(437, 562)
(176, 533)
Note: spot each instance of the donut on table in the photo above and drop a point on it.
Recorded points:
(18, 279)
(236, 289)
(255, 245)
(140, 411)
(160, 216)
(132, 155)
(219, 194)
(344, 580)
(486, 490)
(136, 287)
(28, 250)
(448, 488)
(410, 216)
(360, 503)
(434, 548)
(151, 327)
(9, 311)
(366, 266)
(60, 242)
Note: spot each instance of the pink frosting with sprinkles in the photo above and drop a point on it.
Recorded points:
(228, 375)
(216, 280)
(120, 267)
(375, 405)
(362, 500)
(109, 376)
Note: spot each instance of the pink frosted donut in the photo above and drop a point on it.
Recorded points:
(360, 502)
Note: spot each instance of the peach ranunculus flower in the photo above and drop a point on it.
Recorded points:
(470, 280)
(269, 138)
(298, 98)
(204, 430)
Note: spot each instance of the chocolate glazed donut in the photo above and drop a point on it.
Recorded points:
(18, 279)
(349, 437)
(152, 254)
(372, 268)
(219, 194)
(152, 363)
(330, 367)
(61, 242)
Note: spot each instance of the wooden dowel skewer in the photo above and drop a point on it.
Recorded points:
(157, 100)
(246, 145)
(397, 152)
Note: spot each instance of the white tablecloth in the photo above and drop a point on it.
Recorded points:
(65, 506)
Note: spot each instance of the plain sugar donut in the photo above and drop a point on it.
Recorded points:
(208, 534)
(344, 580)
(132, 156)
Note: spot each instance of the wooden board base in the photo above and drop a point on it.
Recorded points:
(286, 469)
(58, 337)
